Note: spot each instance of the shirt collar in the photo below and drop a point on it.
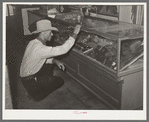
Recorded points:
(40, 40)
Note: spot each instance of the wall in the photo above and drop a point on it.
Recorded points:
(131, 14)
(125, 14)
(8, 100)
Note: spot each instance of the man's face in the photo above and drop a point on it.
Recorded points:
(48, 35)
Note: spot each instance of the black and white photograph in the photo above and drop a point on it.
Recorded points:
(74, 60)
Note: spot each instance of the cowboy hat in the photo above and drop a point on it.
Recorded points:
(44, 25)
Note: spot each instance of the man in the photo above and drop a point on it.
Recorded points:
(36, 69)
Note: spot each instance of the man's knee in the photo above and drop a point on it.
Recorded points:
(59, 81)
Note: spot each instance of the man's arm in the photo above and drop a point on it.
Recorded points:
(59, 50)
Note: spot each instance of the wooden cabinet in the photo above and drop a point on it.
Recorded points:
(125, 93)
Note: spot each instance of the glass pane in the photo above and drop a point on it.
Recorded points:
(101, 49)
(112, 29)
(131, 50)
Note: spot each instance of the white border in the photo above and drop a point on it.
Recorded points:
(4, 55)
(78, 3)
(68, 114)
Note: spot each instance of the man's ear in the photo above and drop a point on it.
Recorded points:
(42, 33)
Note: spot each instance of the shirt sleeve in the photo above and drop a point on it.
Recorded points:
(49, 52)
(49, 61)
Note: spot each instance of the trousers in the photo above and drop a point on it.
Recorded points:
(41, 84)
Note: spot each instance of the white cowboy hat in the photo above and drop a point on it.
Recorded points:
(44, 25)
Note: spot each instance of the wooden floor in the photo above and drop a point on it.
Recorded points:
(71, 95)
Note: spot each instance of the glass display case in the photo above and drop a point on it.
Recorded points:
(124, 42)
(115, 45)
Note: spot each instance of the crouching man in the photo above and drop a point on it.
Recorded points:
(36, 69)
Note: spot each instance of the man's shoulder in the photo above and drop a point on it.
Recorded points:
(34, 41)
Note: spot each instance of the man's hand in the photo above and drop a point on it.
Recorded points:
(77, 29)
(59, 64)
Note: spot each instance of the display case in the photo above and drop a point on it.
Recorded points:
(119, 44)
(107, 58)
(114, 45)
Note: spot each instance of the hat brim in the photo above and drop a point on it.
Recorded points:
(51, 28)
